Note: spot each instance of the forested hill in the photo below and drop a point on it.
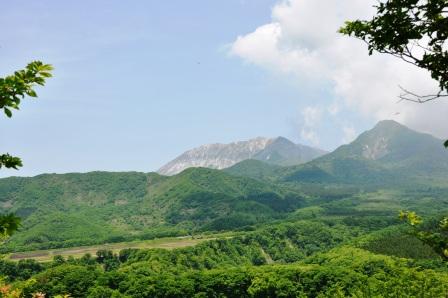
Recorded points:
(75, 209)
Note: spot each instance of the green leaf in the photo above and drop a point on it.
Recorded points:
(8, 112)
(32, 93)
(446, 144)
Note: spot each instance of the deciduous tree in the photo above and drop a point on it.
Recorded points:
(13, 89)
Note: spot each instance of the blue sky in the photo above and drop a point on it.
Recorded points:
(138, 82)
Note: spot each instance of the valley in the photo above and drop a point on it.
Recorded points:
(254, 229)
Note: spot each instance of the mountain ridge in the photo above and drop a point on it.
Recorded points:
(278, 151)
(388, 152)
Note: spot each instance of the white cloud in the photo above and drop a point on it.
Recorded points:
(349, 134)
(312, 117)
(302, 41)
(310, 136)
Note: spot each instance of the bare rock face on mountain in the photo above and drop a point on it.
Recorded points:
(389, 153)
(278, 151)
(393, 144)
(215, 156)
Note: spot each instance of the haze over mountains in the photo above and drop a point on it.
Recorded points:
(278, 151)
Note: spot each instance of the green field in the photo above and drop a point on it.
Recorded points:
(76, 252)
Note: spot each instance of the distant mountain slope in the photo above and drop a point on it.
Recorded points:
(255, 169)
(283, 152)
(396, 146)
(388, 153)
(278, 151)
(98, 207)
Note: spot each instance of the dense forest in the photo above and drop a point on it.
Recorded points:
(300, 259)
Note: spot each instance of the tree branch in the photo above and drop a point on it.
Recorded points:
(413, 97)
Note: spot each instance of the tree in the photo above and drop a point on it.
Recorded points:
(412, 30)
(436, 237)
(9, 223)
(13, 89)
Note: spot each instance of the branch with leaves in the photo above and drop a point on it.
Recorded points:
(13, 89)
(436, 238)
(413, 31)
(16, 87)
(8, 225)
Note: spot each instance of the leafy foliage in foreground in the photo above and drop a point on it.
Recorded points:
(434, 234)
(13, 89)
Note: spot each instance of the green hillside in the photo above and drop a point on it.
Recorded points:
(255, 169)
(80, 209)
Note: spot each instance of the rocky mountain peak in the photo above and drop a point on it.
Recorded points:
(215, 156)
(278, 150)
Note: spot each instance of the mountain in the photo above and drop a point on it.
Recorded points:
(283, 152)
(215, 156)
(278, 151)
(62, 210)
(388, 153)
(255, 169)
(396, 146)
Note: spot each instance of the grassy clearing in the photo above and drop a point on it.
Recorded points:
(77, 252)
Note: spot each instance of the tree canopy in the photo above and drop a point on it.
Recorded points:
(412, 30)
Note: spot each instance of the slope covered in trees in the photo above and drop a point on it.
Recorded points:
(301, 259)
(80, 209)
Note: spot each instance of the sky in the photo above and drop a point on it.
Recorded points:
(137, 83)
